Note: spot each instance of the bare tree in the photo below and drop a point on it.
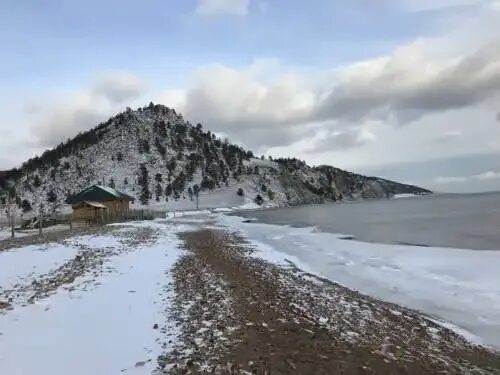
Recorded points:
(8, 207)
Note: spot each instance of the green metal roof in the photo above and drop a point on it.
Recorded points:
(98, 193)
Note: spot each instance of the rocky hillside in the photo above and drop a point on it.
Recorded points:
(156, 156)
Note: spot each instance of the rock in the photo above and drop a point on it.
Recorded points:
(4, 305)
(155, 326)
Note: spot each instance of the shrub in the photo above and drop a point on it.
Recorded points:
(259, 200)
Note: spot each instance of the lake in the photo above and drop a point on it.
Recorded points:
(468, 221)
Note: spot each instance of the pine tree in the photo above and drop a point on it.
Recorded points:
(171, 165)
(143, 180)
(26, 206)
(51, 196)
(36, 181)
(259, 200)
(161, 149)
(158, 191)
(52, 200)
(168, 191)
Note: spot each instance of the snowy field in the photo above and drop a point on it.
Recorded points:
(458, 286)
(105, 327)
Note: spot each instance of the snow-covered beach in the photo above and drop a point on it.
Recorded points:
(146, 297)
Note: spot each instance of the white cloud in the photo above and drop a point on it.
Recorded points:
(64, 117)
(426, 5)
(227, 98)
(489, 175)
(343, 139)
(494, 5)
(119, 86)
(485, 176)
(58, 118)
(449, 136)
(449, 180)
(398, 89)
(412, 83)
(217, 7)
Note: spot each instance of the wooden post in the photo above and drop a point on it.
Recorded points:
(40, 220)
(12, 224)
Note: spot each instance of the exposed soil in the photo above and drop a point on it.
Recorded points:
(239, 314)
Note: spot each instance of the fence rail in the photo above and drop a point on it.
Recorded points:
(57, 222)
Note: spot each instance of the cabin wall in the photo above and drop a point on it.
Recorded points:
(87, 214)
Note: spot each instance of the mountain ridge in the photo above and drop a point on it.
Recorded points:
(153, 154)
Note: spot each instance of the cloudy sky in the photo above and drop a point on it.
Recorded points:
(405, 89)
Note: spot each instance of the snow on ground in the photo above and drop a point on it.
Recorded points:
(107, 329)
(25, 263)
(5, 232)
(454, 285)
(95, 242)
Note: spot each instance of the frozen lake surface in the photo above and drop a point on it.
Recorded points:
(466, 221)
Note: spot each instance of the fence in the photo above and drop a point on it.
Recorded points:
(59, 222)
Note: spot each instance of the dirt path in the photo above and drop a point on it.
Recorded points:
(239, 314)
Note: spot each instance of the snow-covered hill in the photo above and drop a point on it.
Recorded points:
(156, 156)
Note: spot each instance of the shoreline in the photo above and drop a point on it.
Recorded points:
(281, 319)
(433, 281)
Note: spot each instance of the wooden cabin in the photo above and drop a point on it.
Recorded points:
(99, 204)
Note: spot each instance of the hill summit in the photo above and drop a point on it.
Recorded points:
(156, 156)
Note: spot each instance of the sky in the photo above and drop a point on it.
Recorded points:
(404, 89)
